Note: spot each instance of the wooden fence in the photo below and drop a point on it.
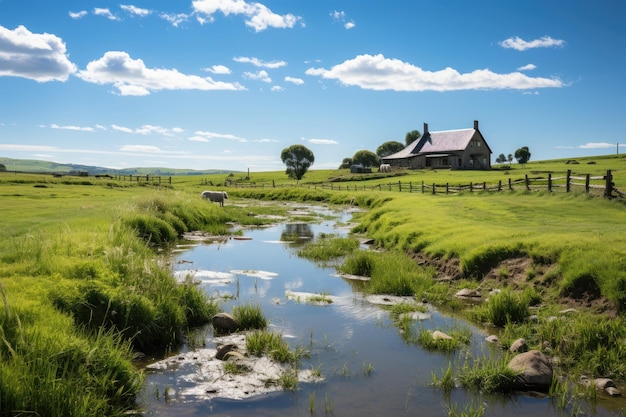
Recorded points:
(599, 185)
(152, 179)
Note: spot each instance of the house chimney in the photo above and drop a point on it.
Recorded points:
(425, 132)
(475, 124)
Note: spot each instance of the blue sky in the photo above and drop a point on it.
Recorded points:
(228, 84)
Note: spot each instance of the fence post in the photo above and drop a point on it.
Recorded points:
(447, 188)
(608, 190)
(549, 181)
(510, 185)
(568, 180)
(484, 185)
(499, 185)
(587, 178)
(471, 187)
(526, 182)
(423, 187)
(433, 188)
(400, 186)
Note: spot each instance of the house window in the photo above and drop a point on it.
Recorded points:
(478, 144)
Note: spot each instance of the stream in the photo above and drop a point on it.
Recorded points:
(358, 363)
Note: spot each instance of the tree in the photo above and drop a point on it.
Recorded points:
(501, 159)
(509, 158)
(412, 136)
(298, 159)
(346, 163)
(2, 168)
(365, 158)
(389, 148)
(522, 155)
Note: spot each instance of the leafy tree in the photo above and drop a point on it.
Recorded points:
(389, 148)
(509, 158)
(412, 136)
(2, 168)
(501, 159)
(365, 158)
(522, 155)
(346, 163)
(298, 159)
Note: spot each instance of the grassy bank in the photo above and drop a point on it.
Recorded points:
(86, 287)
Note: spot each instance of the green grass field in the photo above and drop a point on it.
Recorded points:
(83, 287)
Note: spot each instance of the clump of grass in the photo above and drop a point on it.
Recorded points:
(502, 308)
(446, 382)
(328, 247)
(469, 410)
(234, 368)
(487, 376)
(288, 380)
(391, 272)
(250, 317)
(259, 343)
(460, 337)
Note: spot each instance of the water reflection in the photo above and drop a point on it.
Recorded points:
(368, 367)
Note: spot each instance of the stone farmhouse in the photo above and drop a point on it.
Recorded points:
(454, 149)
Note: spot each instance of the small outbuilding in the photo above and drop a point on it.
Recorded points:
(454, 149)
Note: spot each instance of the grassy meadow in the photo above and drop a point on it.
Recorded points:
(85, 284)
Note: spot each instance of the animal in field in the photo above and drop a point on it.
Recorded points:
(384, 168)
(215, 196)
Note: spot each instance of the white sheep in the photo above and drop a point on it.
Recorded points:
(215, 196)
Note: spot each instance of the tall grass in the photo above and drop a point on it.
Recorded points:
(328, 247)
(250, 317)
(502, 308)
(392, 272)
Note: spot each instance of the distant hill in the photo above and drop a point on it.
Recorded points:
(33, 165)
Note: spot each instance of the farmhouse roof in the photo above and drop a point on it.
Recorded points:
(437, 142)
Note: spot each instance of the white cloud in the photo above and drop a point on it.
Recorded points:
(198, 139)
(259, 76)
(591, 145)
(322, 141)
(76, 128)
(340, 17)
(140, 148)
(297, 81)
(380, 73)
(39, 57)
(218, 69)
(259, 63)
(135, 11)
(276, 88)
(213, 135)
(174, 19)
(520, 44)
(259, 17)
(132, 78)
(528, 67)
(122, 129)
(597, 145)
(78, 15)
(151, 129)
(105, 12)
